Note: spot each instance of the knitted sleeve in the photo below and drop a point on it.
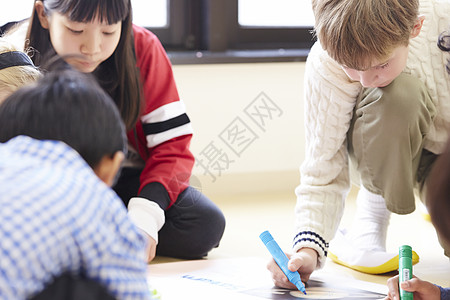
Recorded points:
(329, 101)
(427, 62)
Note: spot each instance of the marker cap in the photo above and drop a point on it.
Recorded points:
(405, 251)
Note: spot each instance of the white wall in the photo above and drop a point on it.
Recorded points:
(217, 94)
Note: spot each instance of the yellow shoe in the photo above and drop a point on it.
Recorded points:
(366, 261)
(424, 212)
(373, 262)
(426, 216)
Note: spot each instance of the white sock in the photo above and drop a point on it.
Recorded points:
(369, 228)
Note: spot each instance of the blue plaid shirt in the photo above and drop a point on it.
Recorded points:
(56, 216)
(445, 293)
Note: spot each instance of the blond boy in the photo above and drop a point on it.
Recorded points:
(16, 69)
(376, 94)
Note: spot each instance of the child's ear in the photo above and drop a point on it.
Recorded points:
(417, 26)
(39, 7)
(108, 167)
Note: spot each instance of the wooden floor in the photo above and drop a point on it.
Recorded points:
(249, 215)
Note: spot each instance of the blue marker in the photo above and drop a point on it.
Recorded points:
(281, 260)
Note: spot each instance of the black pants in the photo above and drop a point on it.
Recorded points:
(194, 224)
(72, 287)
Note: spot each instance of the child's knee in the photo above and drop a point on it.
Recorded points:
(407, 98)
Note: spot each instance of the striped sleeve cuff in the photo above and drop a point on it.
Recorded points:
(309, 239)
(165, 123)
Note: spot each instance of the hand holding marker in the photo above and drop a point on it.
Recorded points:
(405, 271)
(281, 260)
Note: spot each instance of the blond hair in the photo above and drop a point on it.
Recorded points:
(357, 32)
(13, 77)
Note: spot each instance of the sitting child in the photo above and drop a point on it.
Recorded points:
(16, 69)
(62, 142)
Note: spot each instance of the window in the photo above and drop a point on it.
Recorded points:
(153, 13)
(202, 31)
(279, 13)
(238, 30)
(16, 10)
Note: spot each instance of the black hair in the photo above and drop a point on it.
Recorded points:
(118, 75)
(438, 193)
(438, 190)
(85, 11)
(67, 106)
(444, 45)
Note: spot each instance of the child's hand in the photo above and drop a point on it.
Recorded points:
(304, 261)
(150, 250)
(421, 289)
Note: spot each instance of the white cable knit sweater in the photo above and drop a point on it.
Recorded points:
(329, 101)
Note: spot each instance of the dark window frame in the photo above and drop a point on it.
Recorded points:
(207, 31)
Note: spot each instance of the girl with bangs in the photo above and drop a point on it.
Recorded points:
(129, 62)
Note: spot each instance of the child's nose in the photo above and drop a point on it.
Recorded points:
(90, 46)
(367, 78)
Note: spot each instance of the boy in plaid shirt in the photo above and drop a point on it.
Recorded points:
(63, 143)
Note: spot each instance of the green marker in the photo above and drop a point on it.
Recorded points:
(405, 271)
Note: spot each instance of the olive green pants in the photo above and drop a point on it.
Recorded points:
(386, 139)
